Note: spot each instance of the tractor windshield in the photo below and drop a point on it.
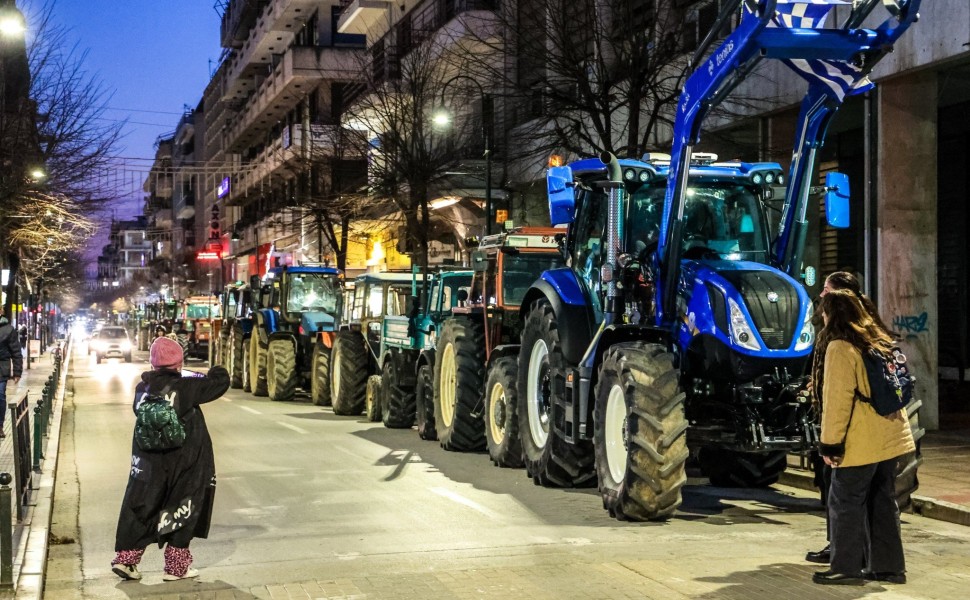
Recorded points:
(202, 311)
(520, 271)
(313, 292)
(722, 217)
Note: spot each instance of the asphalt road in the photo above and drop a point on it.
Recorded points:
(360, 511)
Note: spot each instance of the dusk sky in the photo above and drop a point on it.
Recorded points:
(152, 57)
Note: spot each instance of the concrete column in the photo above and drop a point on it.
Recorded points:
(906, 226)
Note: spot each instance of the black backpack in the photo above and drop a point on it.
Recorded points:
(157, 424)
(890, 381)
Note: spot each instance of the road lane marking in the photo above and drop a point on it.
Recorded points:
(252, 410)
(455, 497)
(293, 427)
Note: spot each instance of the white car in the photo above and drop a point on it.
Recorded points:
(111, 342)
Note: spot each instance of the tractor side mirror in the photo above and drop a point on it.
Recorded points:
(837, 200)
(479, 261)
(559, 189)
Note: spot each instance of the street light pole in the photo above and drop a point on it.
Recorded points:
(486, 139)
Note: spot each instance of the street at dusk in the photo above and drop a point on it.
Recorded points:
(460, 299)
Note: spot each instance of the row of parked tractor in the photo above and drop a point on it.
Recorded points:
(404, 348)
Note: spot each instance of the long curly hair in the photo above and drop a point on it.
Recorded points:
(847, 319)
(844, 280)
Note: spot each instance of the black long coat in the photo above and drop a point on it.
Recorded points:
(169, 495)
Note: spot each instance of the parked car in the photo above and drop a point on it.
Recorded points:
(111, 342)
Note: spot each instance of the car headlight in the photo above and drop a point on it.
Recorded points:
(741, 332)
(125, 346)
(807, 335)
(98, 344)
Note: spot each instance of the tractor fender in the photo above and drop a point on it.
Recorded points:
(615, 334)
(573, 310)
(425, 357)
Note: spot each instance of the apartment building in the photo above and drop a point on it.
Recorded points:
(274, 143)
(126, 257)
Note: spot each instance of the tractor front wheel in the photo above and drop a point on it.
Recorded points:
(257, 366)
(348, 373)
(501, 420)
(320, 375)
(281, 375)
(397, 401)
(640, 432)
(732, 468)
(372, 399)
(424, 404)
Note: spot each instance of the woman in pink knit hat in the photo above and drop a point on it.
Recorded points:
(170, 492)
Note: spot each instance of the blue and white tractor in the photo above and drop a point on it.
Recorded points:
(680, 324)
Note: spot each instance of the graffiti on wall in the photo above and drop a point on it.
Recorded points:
(911, 324)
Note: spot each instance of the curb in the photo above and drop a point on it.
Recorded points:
(930, 508)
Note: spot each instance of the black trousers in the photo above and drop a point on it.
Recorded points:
(864, 520)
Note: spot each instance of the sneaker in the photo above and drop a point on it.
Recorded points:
(126, 572)
(188, 575)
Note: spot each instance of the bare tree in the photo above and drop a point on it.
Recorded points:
(48, 213)
(409, 155)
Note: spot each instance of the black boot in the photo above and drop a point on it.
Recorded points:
(821, 557)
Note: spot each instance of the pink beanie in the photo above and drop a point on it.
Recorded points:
(165, 353)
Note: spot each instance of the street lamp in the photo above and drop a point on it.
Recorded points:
(442, 118)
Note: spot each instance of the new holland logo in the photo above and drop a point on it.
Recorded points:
(772, 297)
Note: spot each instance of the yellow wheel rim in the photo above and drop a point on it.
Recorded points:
(449, 385)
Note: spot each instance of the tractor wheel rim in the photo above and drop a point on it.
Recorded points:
(537, 390)
(497, 411)
(449, 381)
(614, 434)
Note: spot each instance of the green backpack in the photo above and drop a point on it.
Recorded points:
(157, 425)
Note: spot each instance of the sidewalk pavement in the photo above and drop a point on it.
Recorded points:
(944, 479)
(30, 535)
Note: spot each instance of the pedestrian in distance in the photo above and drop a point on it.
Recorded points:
(169, 496)
(861, 446)
(839, 280)
(11, 364)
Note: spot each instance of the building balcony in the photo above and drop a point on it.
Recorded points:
(361, 15)
(293, 150)
(237, 20)
(300, 69)
(269, 34)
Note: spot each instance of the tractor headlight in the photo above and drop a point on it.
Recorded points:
(757, 179)
(629, 175)
(644, 176)
(807, 335)
(741, 332)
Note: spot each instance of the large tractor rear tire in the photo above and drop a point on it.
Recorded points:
(237, 340)
(424, 404)
(549, 459)
(257, 365)
(320, 375)
(640, 433)
(397, 401)
(372, 399)
(501, 419)
(907, 481)
(281, 375)
(348, 373)
(459, 374)
(731, 468)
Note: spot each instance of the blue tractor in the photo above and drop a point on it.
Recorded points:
(679, 325)
(293, 330)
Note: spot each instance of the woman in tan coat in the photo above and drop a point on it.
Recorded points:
(861, 446)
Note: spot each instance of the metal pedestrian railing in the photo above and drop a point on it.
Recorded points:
(28, 451)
